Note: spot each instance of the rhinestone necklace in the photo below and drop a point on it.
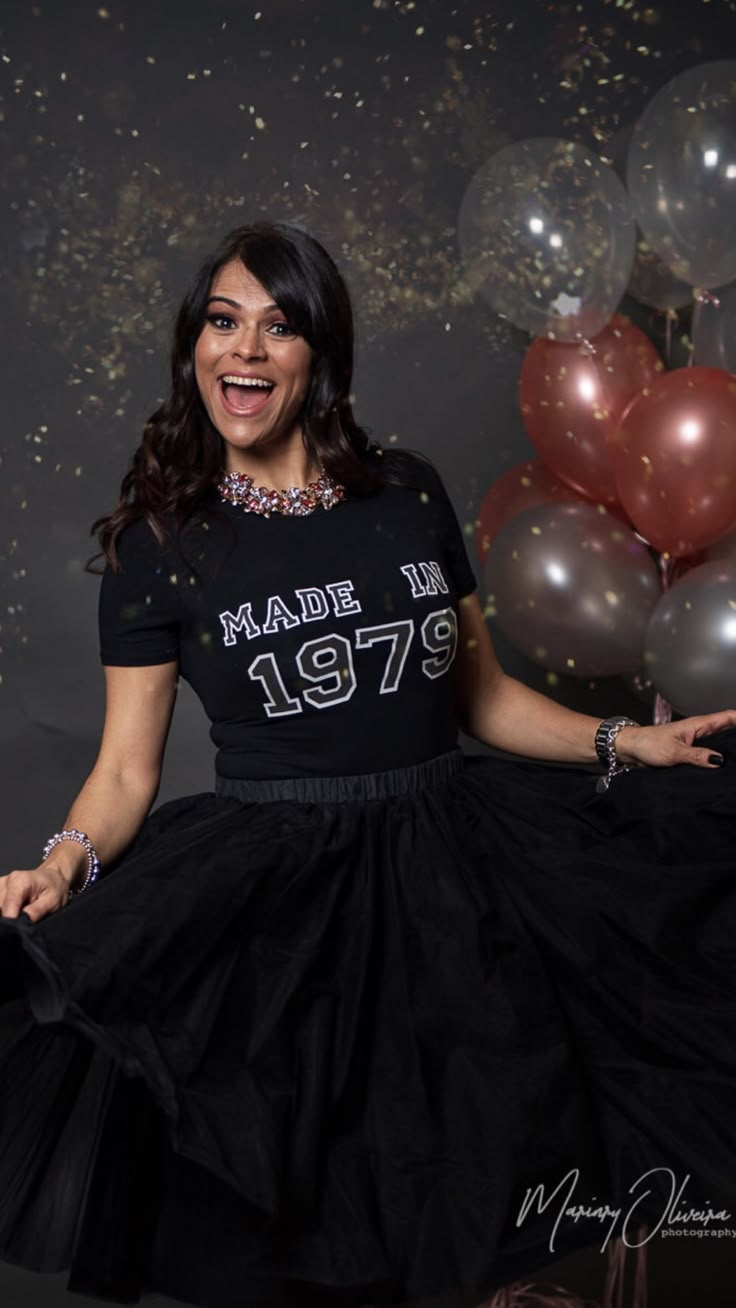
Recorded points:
(238, 488)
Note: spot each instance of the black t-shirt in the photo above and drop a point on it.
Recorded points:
(319, 645)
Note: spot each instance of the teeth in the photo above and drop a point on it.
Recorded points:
(232, 380)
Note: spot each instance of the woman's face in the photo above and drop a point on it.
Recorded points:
(246, 336)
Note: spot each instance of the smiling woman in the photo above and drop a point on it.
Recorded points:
(348, 1027)
(250, 363)
(268, 302)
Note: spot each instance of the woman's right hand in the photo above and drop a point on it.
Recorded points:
(36, 891)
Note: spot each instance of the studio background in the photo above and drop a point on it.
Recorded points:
(133, 137)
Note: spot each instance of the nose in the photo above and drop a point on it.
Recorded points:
(252, 344)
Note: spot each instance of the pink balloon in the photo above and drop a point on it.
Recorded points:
(675, 459)
(572, 397)
(724, 549)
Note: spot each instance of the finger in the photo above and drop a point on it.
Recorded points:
(13, 902)
(39, 908)
(725, 721)
(714, 722)
(11, 911)
(689, 730)
(705, 758)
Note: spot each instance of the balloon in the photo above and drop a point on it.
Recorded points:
(725, 548)
(690, 643)
(519, 488)
(547, 237)
(653, 283)
(572, 397)
(674, 452)
(641, 685)
(681, 173)
(572, 589)
(714, 330)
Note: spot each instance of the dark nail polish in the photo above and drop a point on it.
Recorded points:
(716, 758)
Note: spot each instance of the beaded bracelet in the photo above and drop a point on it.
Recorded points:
(93, 862)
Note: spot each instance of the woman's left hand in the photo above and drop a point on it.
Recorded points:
(674, 742)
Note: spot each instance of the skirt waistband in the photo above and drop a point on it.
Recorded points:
(366, 785)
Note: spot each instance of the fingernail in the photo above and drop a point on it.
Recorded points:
(716, 758)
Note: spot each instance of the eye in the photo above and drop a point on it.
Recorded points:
(288, 330)
(216, 319)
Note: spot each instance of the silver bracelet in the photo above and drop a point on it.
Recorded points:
(93, 862)
(605, 748)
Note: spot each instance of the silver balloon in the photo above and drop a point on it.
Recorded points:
(572, 588)
(681, 173)
(714, 330)
(690, 644)
(547, 237)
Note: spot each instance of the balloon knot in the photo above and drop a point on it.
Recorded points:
(705, 297)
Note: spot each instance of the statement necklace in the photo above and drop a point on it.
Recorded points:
(238, 488)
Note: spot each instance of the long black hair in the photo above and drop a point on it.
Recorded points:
(180, 459)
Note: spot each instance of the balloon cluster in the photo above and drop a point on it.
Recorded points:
(616, 549)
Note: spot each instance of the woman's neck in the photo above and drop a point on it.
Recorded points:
(293, 469)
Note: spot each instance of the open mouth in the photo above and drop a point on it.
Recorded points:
(245, 396)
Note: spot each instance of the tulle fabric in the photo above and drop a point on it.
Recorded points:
(317, 1051)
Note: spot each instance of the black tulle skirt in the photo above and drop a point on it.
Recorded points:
(370, 1040)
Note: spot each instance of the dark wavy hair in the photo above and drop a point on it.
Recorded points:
(175, 469)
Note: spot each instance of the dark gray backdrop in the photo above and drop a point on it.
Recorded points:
(133, 136)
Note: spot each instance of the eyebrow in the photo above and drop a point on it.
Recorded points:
(267, 308)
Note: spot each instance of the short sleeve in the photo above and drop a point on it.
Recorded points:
(456, 553)
(460, 566)
(138, 609)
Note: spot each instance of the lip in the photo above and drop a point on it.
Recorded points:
(237, 413)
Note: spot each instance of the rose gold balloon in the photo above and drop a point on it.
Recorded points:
(572, 397)
(521, 487)
(675, 459)
(724, 549)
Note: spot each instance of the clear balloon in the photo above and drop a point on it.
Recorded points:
(521, 487)
(690, 643)
(572, 397)
(681, 173)
(572, 589)
(714, 330)
(653, 283)
(674, 453)
(547, 237)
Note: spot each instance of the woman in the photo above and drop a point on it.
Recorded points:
(316, 1036)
